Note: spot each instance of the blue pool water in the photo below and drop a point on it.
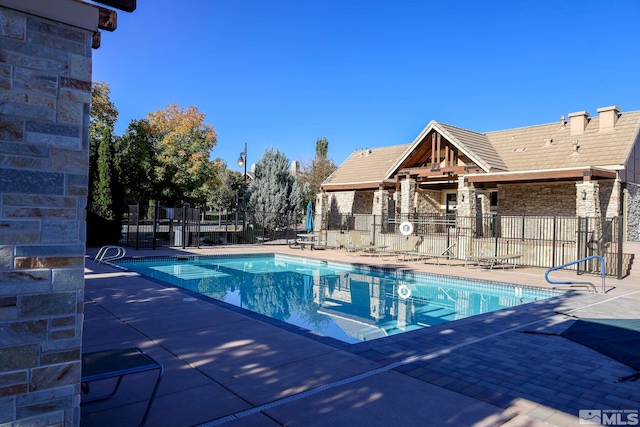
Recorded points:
(342, 301)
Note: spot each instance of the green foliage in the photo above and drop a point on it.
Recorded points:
(135, 163)
(274, 191)
(313, 175)
(103, 218)
(224, 186)
(183, 143)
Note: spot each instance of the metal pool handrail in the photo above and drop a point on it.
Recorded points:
(102, 254)
(603, 269)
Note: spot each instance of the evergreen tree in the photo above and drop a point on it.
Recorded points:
(274, 195)
(104, 218)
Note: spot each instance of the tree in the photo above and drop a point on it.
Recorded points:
(321, 167)
(135, 161)
(183, 143)
(224, 187)
(104, 216)
(274, 194)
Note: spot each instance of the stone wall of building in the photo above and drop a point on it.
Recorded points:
(341, 202)
(45, 93)
(428, 201)
(632, 214)
(537, 199)
(363, 202)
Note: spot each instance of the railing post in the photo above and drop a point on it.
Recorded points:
(618, 220)
(184, 227)
(138, 227)
(553, 245)
(155, 226)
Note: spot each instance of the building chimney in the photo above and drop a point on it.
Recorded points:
(608, 118)
(579, 122)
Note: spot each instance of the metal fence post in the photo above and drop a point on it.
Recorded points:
(618, 220)
(138, 227)
(184, 227)
(155, 226)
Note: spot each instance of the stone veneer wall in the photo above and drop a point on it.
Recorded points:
(341, 202)
(363, 202)
(537, 199)
(632, 213)
(428, 201)
(45, 93)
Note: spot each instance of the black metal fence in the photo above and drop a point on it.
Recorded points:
(541, 241)
(156, 226)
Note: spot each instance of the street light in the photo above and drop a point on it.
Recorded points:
(242, 161)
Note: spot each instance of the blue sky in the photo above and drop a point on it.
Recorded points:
(282, 73)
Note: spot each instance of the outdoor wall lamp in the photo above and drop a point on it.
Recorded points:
(584, 195)
(462, 198)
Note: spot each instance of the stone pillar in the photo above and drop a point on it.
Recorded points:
(321, 220)
(379, 210)
(614, 207)
(45, 80)
(588, 199)
(466, 199)
(407, 198)
(588, 205)
(466, 216)
(484, 211)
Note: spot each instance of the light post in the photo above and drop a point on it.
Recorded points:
(242, 161)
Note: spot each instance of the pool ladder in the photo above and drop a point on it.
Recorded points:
(588, 285)
(101, 256)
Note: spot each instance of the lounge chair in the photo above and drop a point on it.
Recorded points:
(355, 242)
(409, 249)
(436, 255)
(487, 262)
(341, 241)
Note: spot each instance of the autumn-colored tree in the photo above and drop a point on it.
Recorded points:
(183, 143)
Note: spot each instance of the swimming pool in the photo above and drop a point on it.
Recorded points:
(346, 302)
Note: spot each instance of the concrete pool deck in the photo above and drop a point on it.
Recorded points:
(224, 367)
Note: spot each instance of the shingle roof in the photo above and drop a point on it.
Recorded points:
(551, 146)
(539, 147)
(476, 145)
(368, 165)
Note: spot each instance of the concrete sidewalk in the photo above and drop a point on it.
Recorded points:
(226, 366)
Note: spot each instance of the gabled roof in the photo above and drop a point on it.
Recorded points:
(474, 145)
(545, 147)
(366, 166)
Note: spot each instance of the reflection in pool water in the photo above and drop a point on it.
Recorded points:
(342, 301)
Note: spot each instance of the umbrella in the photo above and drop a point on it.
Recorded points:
(309, 223)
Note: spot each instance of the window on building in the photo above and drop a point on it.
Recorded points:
(493, 197)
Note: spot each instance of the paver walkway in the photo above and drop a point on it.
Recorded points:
(226, 367)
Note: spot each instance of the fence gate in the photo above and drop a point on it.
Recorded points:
(608, 245)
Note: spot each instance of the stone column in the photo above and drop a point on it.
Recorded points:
(588, 206)
(614, 207)
(320, 222)
(408, 194)
(379, 210)
(46, 94)
(466, 202)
